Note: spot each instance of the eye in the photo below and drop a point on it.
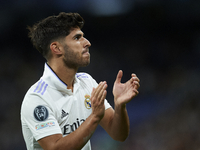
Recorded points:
(77, 37)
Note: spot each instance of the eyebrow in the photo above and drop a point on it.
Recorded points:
(78, 35)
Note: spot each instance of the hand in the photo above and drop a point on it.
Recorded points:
(125, 92)
(97, 100)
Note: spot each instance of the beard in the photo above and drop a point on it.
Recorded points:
(75, 60)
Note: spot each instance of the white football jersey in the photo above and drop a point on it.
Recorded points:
(50, 108)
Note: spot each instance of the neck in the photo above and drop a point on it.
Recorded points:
(67, 75)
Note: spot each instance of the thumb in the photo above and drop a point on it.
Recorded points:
(119, 76)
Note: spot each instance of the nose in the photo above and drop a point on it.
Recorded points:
(87, 43)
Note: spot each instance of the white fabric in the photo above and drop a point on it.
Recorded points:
(50, 108)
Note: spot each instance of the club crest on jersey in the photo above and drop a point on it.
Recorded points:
(41, 113)
(87, 101)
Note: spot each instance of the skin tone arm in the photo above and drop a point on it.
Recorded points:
(77, 139)
(116, 122)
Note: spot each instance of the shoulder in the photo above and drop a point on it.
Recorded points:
(36, 95)
(37, 90)
(86, 78)
(83, 75)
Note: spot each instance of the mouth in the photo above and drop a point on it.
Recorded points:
(86, 51)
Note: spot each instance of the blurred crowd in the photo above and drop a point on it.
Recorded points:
(159, 41)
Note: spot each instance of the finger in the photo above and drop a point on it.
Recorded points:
(103, 96)
(92, 96)
(102, 89)
(119, 76)
(135, 77)
(98, 89)
(103, 93)
(136, 84)
(136, 92)
(94, 90)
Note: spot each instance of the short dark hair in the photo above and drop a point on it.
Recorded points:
(53, 28)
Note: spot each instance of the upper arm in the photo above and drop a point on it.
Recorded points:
(49, 142)
(38, 119)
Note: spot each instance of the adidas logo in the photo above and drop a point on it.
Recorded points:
(64, 114)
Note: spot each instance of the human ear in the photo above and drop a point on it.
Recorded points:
(54, 46)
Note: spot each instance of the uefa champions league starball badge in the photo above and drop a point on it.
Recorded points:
(41, 113)
(87, 101)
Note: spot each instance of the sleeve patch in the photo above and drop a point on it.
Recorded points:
(44, 125)
(41, 113)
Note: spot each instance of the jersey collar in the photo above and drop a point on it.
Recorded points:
(54, 81)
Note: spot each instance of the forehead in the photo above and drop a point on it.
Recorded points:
(74, 32)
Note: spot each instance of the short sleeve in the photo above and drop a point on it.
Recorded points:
(38, 117)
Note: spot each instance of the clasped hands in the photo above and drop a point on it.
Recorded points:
(122, 92)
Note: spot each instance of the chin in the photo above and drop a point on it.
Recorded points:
(85, 64)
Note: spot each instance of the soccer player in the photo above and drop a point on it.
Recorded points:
(63, 109)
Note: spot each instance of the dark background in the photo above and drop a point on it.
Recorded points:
(156, 39)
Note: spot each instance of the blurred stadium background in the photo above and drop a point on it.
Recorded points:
(156, 39)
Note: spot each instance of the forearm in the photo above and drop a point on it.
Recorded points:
(120, 123)
(78, 138)
(75, 140)
(116, 122)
